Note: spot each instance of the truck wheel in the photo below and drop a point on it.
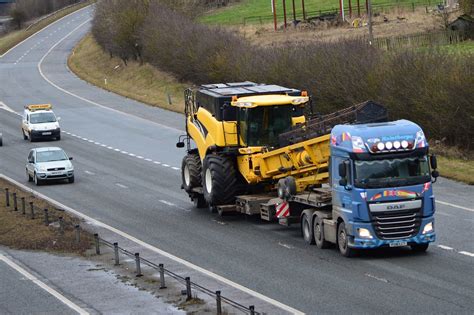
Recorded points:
(219, 179)
(419, 248)
(191, 171)
(318, 231)
(307, 230)
(343, 241)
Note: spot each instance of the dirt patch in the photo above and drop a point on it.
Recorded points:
(391, 23)
(24, 231)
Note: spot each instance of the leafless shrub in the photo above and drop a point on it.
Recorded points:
(24, 10)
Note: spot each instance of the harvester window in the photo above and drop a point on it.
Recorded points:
(391, 172)
(260, 126)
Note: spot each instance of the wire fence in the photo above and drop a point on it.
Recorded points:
(50, 215)
(445, 37)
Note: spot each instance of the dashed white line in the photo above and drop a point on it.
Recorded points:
(165, 165)
(156, 162)
(124, 152)
(285, 245)
(466, 253)
(176, 168)
(131, 154)
(445, 247)
(89, 172)
(110, 148)
(148, 160)
(376, 278)
(117, 150)
(454, 206)
(140, 157)
(121, 186)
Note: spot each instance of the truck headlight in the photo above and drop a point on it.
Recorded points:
(428, 228)
(364, 233)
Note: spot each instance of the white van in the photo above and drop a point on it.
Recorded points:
(39, 122)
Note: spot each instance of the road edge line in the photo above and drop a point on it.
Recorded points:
(43, 285)
(47, 26)
(454, 206)
(154, 249)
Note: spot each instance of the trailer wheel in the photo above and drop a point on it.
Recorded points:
(220, 180)
(191, 171)
(318, 231)
(419, 248)
(343, 241)
(307, 230)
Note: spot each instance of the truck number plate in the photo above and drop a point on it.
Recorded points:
(398, 244)
(47, 133)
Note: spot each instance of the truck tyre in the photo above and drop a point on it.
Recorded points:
(343, 241)
(307, 230)
(219, 179)
(286, 187)
(419, 248)
(191, 171)
(199, 201)
(318, 231)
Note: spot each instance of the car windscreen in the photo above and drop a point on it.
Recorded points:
(40, 118)
(50, 156)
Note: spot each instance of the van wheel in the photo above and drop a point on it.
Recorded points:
(307, 230)
(30, 137)
(25, 137)
(318, 231)
(343, 242)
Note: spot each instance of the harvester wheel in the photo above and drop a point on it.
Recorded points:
(220, 180)
(191, 171)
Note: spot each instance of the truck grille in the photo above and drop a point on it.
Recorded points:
(397, 224)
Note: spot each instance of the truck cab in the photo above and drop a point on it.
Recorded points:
(380, 179)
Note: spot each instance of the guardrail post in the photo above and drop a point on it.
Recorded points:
(218, 302)
(188, 289)
(252, 309)
(162, 276)
(61, 226)
(78, 233)
(32, 210)
(23, 206)
(46, 217)
(116, 253)
(15, 203)
(137, 263)
(97, 244)
(7, 197)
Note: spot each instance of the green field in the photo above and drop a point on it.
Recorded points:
(466, 47)
(256, 11)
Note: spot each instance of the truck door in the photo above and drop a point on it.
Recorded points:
(342, 195)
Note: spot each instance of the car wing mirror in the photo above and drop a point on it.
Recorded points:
(70, 158)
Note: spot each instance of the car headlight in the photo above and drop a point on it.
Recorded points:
(428, 228)
(42, 168)
(364, 233)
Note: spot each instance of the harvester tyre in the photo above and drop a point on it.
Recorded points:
(220, 180)
(191, 170)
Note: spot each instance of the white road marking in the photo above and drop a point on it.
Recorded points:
(131, 154)
(165, 165)
(445, 247)
(89, 172)
(43, 286)
(117, 150)
(285, 245)
(156, 249)
(176, 168)
(110, 148)
(156, 162)
(148, 160)
(124, 152)
(8, 109)
(445, 214)
(454, 206)
(167, 202)
(376, 278)
(121, 186)
(466, 253)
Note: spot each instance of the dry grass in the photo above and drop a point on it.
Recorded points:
(455, 163)
(13, 38)
(22, 232)
(140, 82)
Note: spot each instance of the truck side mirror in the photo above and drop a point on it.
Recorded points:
(343, 182)
(180, 144)
(433, 162)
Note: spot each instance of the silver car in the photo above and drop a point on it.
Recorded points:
(50, 163)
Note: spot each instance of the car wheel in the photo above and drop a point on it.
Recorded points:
(30, 179)
(1, 141)
(71, 180)
(343, 241)
(38, 181)
(25, 137)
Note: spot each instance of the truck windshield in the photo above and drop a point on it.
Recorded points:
(391, 172)
(260, 126)
(40, 118)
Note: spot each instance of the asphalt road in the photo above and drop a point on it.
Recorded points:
(128, 177)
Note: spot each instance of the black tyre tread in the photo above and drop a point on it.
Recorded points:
(226, 184)
(195, 170)
(321, 244)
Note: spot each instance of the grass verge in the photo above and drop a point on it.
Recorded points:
(144, 82)
(13, 38)
(149, 85)
(21, 231)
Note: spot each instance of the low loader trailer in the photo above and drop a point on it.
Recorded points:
(349, 178)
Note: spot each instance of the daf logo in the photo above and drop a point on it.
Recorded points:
(395, 207)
